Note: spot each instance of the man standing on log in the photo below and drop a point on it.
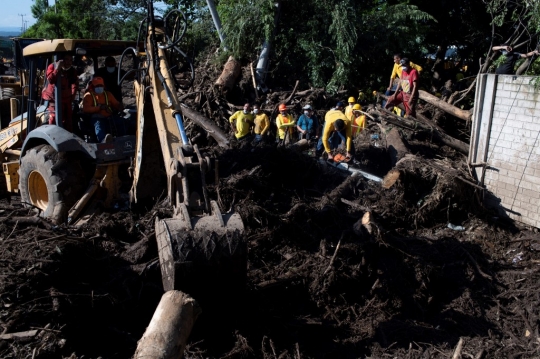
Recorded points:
(241, 122)
(396, 74)
(507, 67)
(407, 90)
(337, 132)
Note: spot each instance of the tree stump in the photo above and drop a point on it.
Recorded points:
(228, 77)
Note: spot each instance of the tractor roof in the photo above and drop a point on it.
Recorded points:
(90, 47)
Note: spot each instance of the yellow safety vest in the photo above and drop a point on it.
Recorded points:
(106, 99)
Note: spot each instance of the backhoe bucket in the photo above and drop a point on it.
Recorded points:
(207, 251)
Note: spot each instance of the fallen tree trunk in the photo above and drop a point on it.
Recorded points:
(413, 124)
(445, 106)
(167, 334)
(210, 127)
(395, 146)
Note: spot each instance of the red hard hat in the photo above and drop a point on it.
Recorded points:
(282, 107)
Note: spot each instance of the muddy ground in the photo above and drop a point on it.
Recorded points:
(412, 290)
(318, 284)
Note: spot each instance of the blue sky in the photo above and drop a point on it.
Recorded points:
(11, 10)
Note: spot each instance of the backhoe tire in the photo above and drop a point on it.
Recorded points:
(50, 181)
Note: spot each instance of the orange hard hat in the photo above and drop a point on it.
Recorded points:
(98, 81)
(282, 107)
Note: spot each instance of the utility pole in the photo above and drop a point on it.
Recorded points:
(217, 22)
(22, 22)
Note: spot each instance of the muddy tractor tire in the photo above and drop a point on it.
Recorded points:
(50, 181)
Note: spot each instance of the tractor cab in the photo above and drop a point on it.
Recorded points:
(88, 61)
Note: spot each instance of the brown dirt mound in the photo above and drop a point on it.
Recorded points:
(315, 288)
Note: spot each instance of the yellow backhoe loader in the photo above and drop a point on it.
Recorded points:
(61, 174)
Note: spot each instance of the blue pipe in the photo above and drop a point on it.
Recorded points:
(180, 124)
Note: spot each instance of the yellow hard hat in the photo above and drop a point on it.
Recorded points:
(351, 99)
(357, 107)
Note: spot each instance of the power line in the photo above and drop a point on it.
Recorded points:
(22, 22)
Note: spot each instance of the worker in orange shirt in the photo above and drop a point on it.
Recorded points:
(285, 124)
(102, 106)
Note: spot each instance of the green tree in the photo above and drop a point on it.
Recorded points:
(326, 43)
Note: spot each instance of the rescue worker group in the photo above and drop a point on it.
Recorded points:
(102, 105)
(341, 123)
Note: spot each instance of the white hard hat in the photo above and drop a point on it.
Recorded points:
(307, 107)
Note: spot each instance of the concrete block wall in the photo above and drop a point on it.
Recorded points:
(506, 136)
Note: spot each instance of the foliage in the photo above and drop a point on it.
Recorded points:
(323, 43)
(246, 24)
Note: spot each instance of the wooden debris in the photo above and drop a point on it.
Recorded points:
(19, 335)
(445, 106)
(334, 256)
(413, 124)
(457, 351)
(167, 334)
(391, 177)
(395, 146)
(254, 80)
(210, 127)
(228, 77)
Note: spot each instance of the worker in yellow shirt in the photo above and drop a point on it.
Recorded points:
(396, 75)
(285, 124)
(337, 132)
(359, 120)
(241, 122)
(262, 123)
(349, 109)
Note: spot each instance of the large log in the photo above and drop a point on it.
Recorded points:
(231, 71)
(414, 124)
(210, 127)
(395, 146)
(445, 106)
(167, 334)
